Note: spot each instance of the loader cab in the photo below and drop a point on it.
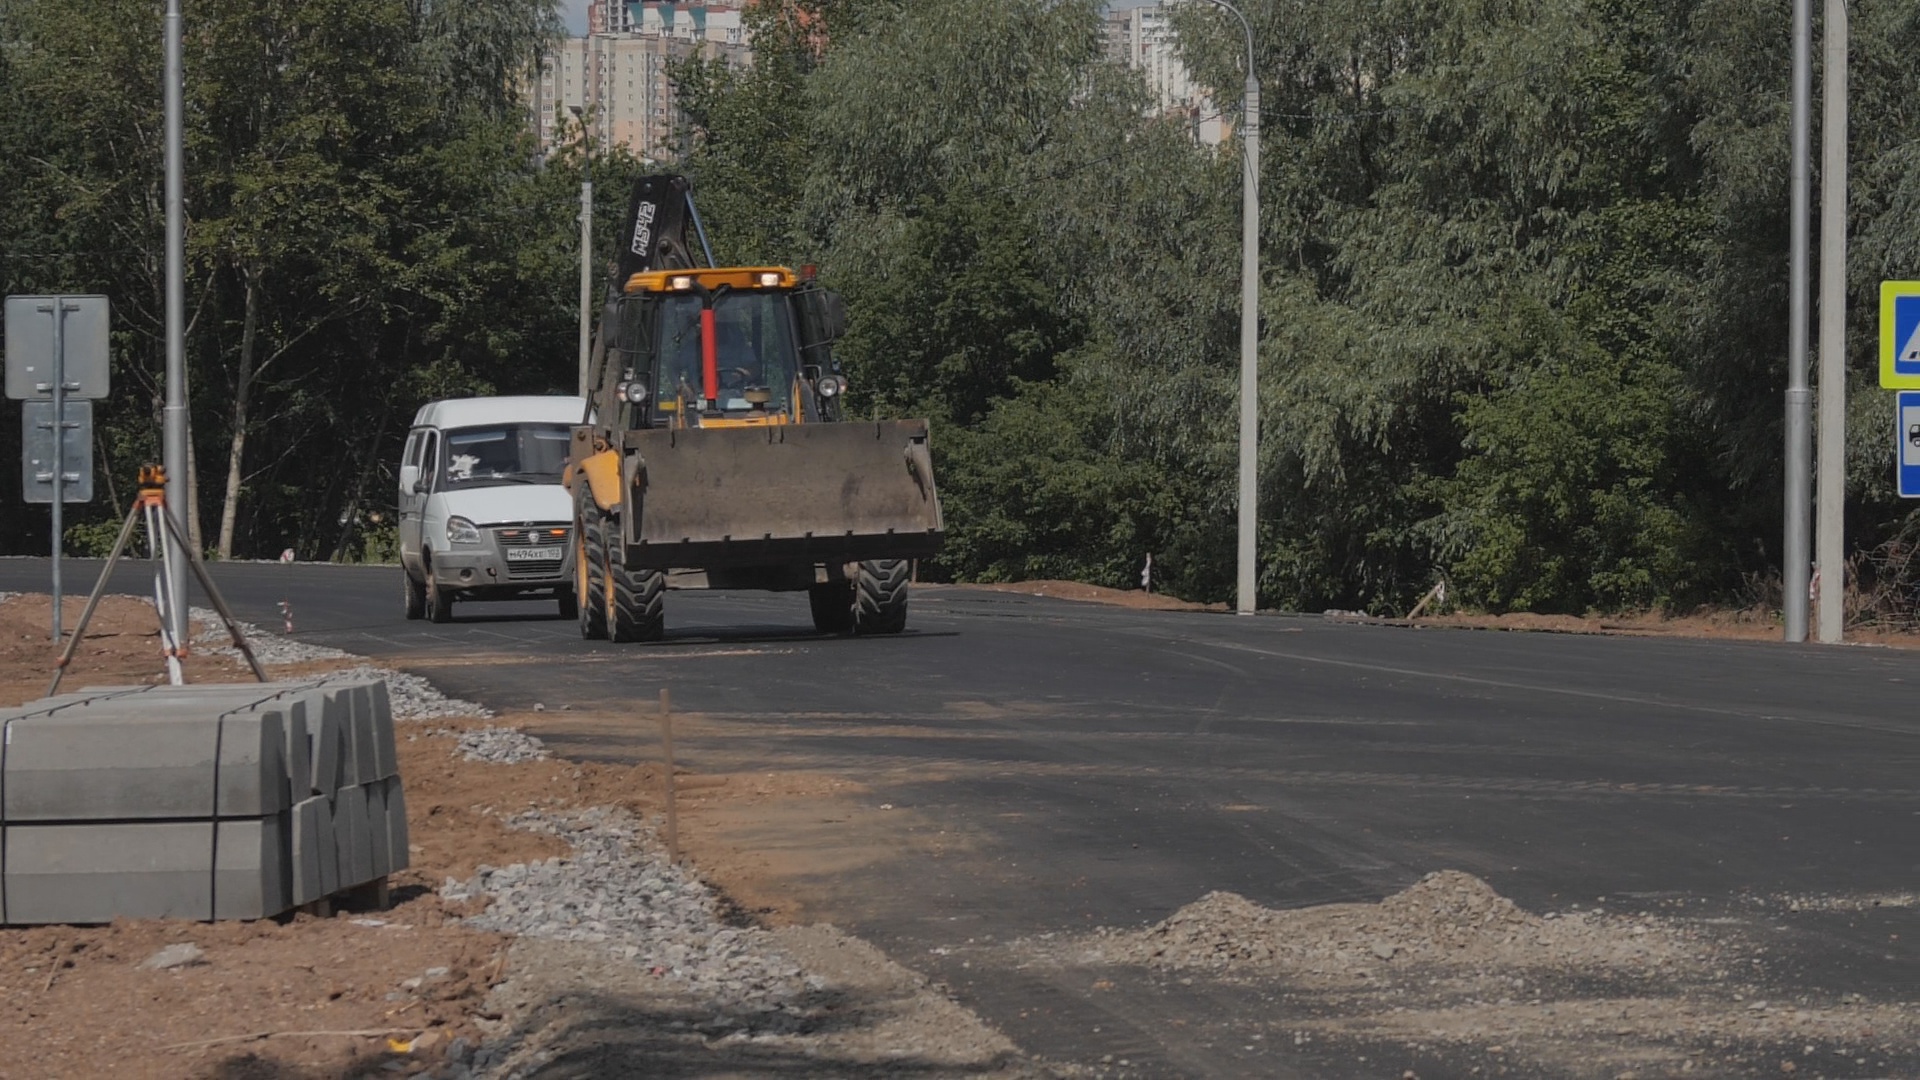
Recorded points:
(730, 347)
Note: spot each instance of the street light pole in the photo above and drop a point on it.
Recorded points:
(586, 245)
(1796, 550)
(1830, 488)
(1246, 597)
(173, 441)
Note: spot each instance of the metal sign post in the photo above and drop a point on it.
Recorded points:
(62, 354)
(59, 309)
(1906, 442)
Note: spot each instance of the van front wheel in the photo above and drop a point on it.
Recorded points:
(416, 594)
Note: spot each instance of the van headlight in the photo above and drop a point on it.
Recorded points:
(461, 531)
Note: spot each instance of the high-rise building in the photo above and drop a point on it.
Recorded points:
(619, 72)
(1144, 39)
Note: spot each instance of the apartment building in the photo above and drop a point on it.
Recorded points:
(619, 72)
(1144, 39)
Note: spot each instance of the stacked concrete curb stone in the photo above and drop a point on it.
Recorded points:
(199, 802)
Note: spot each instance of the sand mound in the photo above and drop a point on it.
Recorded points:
(1447, 919)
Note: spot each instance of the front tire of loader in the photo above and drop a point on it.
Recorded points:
(832, 604)
(639, 598)
(590, 573)
(880, 596)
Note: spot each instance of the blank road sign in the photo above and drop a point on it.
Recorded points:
(1900, 335)
(30, 346)
(36, 457)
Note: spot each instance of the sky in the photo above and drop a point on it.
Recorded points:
(575, 12)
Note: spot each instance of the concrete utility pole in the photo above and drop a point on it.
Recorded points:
(1830, 532)
(174, 429)
(1246, 598)
(586, 245)
(1798, 466)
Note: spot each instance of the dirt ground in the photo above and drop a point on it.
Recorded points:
(1730, 624)
(1099, 594)
(387, 990)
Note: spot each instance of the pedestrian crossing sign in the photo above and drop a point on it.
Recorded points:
(1900, 335)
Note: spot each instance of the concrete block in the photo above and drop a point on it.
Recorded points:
(85, 766)
(356, 703)
(386, 758)
(328, 748)
(350, 833)
(297, 751)
(96, 873)
(252, 875)
(337, 705)
(379, 833)
(398, 836)
(311, 855)
(252, 774)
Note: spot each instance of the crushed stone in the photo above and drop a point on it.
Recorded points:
(272, 650)
(1447, 919)
(412, 697)
(496, 745)
(619, 890)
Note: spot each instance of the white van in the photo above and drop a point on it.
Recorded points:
(482, 512)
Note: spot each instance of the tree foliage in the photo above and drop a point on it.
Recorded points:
(1523, 267)
(367, 227)
(1523, 297)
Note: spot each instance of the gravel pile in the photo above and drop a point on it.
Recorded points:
(1448, 919)
(618, 890)
(270, 649)
(412, 697)
(497, 745)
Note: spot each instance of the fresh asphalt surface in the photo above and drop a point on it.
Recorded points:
(1124, 763)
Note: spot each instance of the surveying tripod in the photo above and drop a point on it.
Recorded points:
(150, 506)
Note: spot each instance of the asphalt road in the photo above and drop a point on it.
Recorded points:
(1121, 764)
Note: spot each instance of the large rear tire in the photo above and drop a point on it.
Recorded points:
(639, 596)
(880, 596)
(832, 605)
(416, 594)
(590, 572)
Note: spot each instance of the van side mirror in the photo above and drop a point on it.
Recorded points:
(410, 479)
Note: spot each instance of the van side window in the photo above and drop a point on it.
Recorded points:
(429, 461)
(412, 454)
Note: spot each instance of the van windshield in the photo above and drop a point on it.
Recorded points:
(504, 454)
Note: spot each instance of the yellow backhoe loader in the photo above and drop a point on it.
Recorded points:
(715, 452)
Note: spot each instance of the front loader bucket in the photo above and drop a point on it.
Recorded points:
(823, 493)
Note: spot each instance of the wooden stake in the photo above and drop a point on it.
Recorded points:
(666, 744)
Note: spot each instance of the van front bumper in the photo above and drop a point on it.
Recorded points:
(487, 567)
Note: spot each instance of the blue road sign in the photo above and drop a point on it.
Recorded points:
(1906, 417)
(1900, 335)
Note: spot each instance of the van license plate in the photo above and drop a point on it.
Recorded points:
(535, 554)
